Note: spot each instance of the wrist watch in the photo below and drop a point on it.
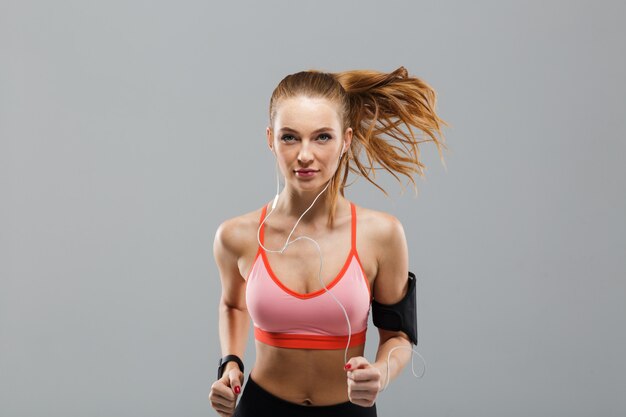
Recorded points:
(223, 361)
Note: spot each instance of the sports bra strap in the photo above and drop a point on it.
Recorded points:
(353, 222)
(262, 231)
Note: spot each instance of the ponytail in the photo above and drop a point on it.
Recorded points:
(384, 111)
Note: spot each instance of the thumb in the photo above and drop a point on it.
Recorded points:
(236, 378)
(356, 362)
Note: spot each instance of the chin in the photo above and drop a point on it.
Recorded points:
(309, 185)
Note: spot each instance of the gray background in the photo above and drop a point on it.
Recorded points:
(130, 130)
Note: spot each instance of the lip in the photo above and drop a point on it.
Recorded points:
(306, 173)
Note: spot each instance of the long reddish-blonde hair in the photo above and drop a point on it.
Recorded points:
(383, 110)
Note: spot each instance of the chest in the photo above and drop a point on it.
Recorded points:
(314, 258)
(309, 264)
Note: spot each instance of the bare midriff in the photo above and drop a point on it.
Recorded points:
(303, 376)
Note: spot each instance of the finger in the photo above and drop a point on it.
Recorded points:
(235, 379)
(368, 395)
(221, 408)
(362, 396)
(224, 410)
(219, 401)
(363, 387)
(367, 374)
(221, 389)
(363, 383)
(356, 362)
(363, 403)
(222, 404)
(362, 399)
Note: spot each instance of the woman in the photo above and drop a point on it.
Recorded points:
(309, 297)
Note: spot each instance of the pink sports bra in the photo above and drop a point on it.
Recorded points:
(288, 319)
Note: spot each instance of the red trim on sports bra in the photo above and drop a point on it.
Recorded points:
(353, 252)
(335, 280)
(353, 227)
(262, 232)
(356, 253)
(308, 341)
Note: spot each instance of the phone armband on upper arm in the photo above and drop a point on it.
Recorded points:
(399, 316)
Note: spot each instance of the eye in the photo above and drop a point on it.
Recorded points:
(288, 138)
(324, 137)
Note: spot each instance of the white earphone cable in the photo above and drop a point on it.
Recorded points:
(319, 250)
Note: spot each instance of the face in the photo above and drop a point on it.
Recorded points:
(307, 138)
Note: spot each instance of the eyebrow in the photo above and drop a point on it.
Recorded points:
(288, 129)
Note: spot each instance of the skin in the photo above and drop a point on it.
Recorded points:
(309, 376)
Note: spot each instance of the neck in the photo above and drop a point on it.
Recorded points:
(293, 203)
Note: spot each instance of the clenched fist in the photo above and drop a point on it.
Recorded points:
(364, 381)
(224, 392)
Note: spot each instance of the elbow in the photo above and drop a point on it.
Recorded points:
(398, 336)
(228, 307)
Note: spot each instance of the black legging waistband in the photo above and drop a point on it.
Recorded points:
(257, 402)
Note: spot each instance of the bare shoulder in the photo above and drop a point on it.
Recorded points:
(235, 239)
(237, 235)
(380, 227)
(385, 243)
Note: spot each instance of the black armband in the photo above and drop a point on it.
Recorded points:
(399, 316)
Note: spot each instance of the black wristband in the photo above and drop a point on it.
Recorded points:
(225, 360)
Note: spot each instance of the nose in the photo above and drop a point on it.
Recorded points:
(305, 154)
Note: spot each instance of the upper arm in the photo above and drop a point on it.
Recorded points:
(227, 249)
(391, 282)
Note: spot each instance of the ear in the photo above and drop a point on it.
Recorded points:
(347, 139)
(270, 139)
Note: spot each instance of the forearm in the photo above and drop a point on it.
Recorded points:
(397, 361)
(233, 329)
